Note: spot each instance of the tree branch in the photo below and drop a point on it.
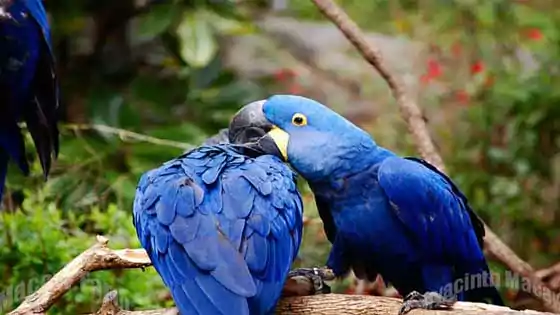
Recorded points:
(297, 291)
(97, 257)
(551, 275)
(110, 307)
(334, 304)
(412, 114)
(340, 304)
(101, 257)
(408, 108)
(125, 135)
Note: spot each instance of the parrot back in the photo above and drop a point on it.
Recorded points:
(221, 229)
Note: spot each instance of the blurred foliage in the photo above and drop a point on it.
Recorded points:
(36, 243)
(151, 68)
(158, 73)
(156, 69)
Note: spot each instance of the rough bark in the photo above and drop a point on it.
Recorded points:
(297, 291)
(335, 304)
(97, 257)
(339, 304)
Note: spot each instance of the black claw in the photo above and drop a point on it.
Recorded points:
(427, 301)
(316, 275)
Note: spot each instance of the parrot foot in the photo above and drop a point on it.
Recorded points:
(317, 276)
(427, 301)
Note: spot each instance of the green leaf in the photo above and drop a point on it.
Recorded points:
(157, 20)
(485, 13)
(527, 16)
(197, 43)
(228, 26)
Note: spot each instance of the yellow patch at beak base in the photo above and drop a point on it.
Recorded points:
(281, 139)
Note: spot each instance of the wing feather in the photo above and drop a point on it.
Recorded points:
(40, 113)
(213, 232)
(430, 207)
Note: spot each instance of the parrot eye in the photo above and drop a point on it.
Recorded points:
(299, 119)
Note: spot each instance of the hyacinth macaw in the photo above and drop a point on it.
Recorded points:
(384, 214)
(220, 227)
(28, 85)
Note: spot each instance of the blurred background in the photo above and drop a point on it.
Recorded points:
(143, 82)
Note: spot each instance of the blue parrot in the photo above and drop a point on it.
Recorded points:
(384, 214)
(221, 228)
(28, 85)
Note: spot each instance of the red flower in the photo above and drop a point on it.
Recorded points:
(535, 34)
(462, 96)
(284, 74)
(433, 72)
(434, 68)
(477, 67)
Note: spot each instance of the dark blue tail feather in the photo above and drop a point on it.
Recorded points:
(28, 91)
(4, 158)
(484, 295)
(482, 288)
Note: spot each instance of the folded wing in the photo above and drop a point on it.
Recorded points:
(221, 229)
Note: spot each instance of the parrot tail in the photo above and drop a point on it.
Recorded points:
(484, 290)
(4, 158)
(484, 295)
(41, 113)
(12, 147)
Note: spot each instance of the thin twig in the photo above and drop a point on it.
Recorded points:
(551, 275)
(412, 114)
(126, 135)
(409, 110)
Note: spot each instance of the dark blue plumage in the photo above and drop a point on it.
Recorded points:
(384, 214)
(28, 85)
(427, 238)
(222, 229)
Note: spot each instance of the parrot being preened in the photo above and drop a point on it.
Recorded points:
(384, 214)
(220, 227)
(28, 85)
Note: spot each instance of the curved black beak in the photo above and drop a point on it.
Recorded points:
(249, 124)
(249, 129)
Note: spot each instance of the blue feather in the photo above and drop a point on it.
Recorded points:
(209, 225)
(220, 297)
(183, 229)
(4, 158)
(184, 203)
(257, 251)
(28, 85)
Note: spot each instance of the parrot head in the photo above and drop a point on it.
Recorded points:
(316, 141)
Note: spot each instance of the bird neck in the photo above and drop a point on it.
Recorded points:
(357, 159)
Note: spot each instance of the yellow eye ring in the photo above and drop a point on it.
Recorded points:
(299, 119)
